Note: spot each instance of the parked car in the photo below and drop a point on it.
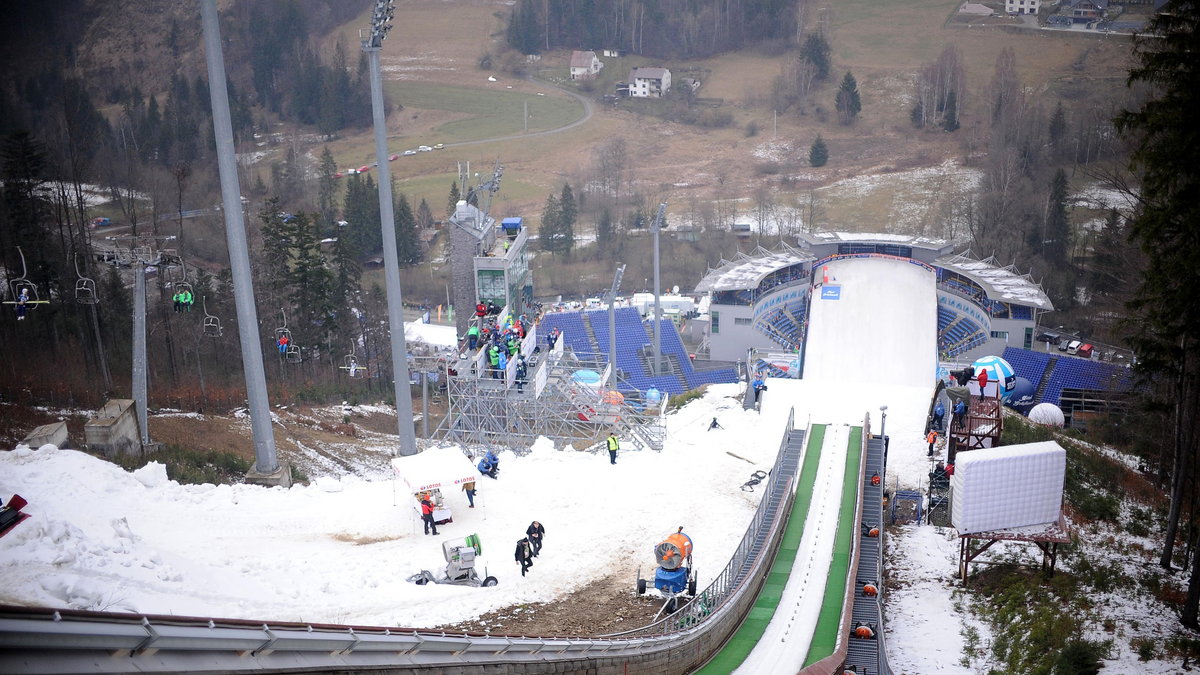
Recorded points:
(393, 157)
(1073, 347)
(409, 152)
(1049, 338)
(101, 222)
(364, 168)
(1085, 351)
(439, 146)
(424, 148)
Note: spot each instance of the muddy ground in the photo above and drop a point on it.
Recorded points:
(605, 606)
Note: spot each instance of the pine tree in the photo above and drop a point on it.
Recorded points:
(567, 213)
(848, 103)
(816, 51)
(348, 274)
(361, 210)
(818, 154)
(1058, 127)
(1057, 240)
(548, 233)
(326, 187)
(917, 116)
(454, 198)
(606, 232)
(312, 283)
(424, 216)
(950, 114)
(408, 243)
(1165, 323)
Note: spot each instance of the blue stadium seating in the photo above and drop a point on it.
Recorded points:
(1074, 373)
(1028, 364)
(632, 340)
(1069, 373)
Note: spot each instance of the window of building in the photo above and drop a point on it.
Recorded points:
(1000, 335)
(741, 322)
(716, 322)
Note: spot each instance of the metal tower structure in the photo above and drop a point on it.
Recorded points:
(141, 253)
(372, 43)
(491, 412)
(267, 468)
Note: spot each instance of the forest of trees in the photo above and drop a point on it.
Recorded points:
(681, 29)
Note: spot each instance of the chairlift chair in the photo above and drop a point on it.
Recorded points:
(212, 324)
(22, 284)
(85, 288)
(352, 368)
(283, 332)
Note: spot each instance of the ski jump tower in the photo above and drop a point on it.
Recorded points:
(490, 263)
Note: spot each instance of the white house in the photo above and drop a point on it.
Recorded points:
(1022, 6)
(585, 65)
(647, 82)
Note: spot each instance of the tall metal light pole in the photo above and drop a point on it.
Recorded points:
(139, 349)
(266, 468)
(372, 43)
(656, 228)
(612, 326)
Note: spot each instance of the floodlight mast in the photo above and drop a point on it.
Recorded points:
(372, 43)
(266, 460)
(612, 326)
(657, 227)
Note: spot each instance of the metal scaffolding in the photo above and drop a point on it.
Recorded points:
(490, 413)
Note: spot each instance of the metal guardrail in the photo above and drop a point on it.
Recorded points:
(746, 557)
(37, 640)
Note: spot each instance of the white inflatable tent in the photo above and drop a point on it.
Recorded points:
(1007, 487)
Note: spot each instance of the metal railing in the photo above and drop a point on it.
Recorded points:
(746, 558)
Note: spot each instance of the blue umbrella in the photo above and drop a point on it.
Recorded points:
(998, 370)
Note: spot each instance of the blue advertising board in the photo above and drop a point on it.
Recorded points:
(831, 292)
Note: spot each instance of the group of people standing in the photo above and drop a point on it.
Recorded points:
(529, 546)
(183, 300)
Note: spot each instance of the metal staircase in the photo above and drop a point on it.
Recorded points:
(869, 655)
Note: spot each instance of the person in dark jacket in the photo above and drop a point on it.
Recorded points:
(536, 533)
(524, 555)
(427, 515)
(522, 373)
(939, 413)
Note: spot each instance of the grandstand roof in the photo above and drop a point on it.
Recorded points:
(748, 269)
(1001, 282)
(874, 237)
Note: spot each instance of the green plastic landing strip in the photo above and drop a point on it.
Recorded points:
(829, 622)
(750, 632)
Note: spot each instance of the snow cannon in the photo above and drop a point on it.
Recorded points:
(460, 570)
(675, 574)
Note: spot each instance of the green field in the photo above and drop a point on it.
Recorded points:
(488, 113)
